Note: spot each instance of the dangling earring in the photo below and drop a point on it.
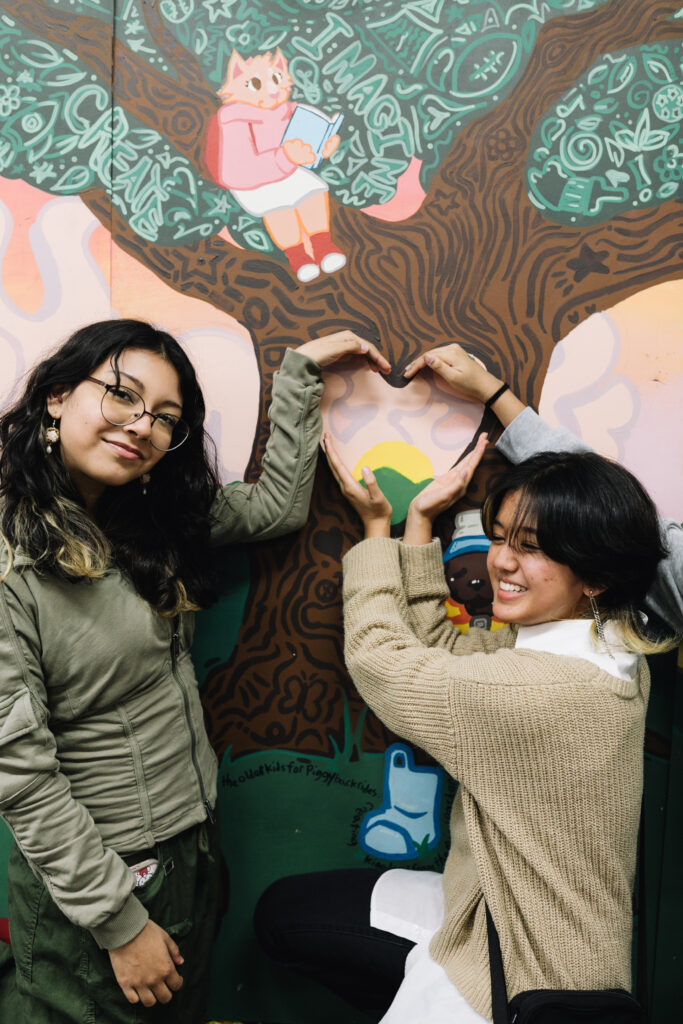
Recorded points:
(51, 436)
(598, 623)
(144, 480)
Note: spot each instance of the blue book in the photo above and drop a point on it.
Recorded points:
(314, 127)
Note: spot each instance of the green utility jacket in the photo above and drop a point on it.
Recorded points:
(103, 749)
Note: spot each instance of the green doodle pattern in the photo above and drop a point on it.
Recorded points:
(614, 141)
(60, 132)
(407, 74)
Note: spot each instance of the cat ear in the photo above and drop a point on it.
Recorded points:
(279, 61)
(236, 67)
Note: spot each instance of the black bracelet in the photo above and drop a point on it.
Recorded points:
(494, 397)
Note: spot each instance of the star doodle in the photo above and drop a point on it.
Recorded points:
(588, 262)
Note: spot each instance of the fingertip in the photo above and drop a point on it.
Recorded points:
(367, 474)
(429, 358)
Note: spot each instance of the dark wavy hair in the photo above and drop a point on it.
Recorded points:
(160, 540)
(593, 515)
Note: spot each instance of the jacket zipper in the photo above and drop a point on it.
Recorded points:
(175, 653)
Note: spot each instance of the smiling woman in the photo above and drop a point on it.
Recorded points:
(110, 438)
(528, 587)
(109, 510)
(542, 724)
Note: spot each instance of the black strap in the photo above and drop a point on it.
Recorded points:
(499, 999)
(641, 973)
(496, 395)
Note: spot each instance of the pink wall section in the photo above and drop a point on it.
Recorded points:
(616, 380)
(60, 270)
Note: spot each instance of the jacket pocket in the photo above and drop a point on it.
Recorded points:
(17, 716)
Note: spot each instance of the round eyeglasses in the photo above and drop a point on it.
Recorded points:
(122, 406)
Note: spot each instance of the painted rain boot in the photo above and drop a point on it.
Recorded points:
(301, 263)
(327, 255)
(406, 826)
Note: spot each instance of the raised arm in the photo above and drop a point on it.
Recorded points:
(421, 562)
(469, 379)
(423, 587)
(414, 689)
(526, 435)
(278, 502)
(425, 590)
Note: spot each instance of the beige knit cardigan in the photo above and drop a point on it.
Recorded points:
(548, 751)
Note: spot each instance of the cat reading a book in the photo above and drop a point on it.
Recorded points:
(263, 148)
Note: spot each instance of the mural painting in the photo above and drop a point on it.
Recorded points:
(263, 149)
(506, 175)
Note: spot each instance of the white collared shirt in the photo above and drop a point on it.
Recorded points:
(575, 639)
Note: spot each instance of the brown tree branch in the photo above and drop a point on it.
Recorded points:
(178, 110)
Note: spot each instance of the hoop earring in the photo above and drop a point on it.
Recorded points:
(51, 436)
(144, 480)
(599, 624)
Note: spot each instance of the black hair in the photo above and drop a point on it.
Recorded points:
(160, 540)
(590, 514)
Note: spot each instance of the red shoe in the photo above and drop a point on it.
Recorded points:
(326, 253)
(301, 263)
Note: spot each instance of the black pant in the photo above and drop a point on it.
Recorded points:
(319, 925)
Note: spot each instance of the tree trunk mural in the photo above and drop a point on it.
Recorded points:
(478, 263)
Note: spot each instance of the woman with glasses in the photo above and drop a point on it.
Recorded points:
(109, 507)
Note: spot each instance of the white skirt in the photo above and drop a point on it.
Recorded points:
(279, 195)
(410, 904)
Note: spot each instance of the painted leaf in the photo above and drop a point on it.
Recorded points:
(38, 54)
(658, 69)
(589, 124)
(621, 74)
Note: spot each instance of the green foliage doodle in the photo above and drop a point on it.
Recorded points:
(407, 74)
(61, 132)
(614, 141)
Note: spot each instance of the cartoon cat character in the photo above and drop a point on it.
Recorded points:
(245, 153)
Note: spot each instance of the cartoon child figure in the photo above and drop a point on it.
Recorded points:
(245, 153)
(467, 575)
